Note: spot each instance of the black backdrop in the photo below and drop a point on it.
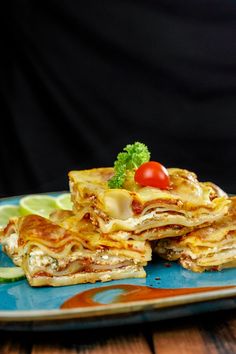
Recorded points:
(81, 79)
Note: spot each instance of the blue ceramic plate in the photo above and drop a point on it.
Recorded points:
(26, 308)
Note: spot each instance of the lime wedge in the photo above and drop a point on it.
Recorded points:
(63, 201)
(7, 212)
(42, 205)
(8, 274)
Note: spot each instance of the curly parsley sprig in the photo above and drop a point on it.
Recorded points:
(127, 162)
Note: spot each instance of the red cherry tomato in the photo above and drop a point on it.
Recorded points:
(152, 174)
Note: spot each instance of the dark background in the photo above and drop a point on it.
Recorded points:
(81, 79)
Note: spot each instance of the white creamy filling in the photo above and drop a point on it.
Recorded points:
(38, 259)
(11, 242)
(155, 219)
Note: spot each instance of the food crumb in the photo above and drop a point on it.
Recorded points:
(215, 269)
(167, 265)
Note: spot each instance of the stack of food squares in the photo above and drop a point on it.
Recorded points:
(119, 215)
(212, 247)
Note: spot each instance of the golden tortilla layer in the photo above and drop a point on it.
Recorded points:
(149, 212)
(51, 254)
(207, 248)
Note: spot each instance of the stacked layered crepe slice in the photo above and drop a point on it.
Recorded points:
(146, 213)
(208, 248)
(65, 251)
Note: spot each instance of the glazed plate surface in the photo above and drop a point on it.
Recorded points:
(25, 308)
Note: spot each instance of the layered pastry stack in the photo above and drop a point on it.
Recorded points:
(110, 232)
(212, 247)
(193, 221)
(146, 213)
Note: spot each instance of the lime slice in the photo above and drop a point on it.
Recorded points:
(42, 205)
(7, 212)
(63, 201)
(8, 274)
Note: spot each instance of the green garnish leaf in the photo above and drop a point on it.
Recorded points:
(127, 162)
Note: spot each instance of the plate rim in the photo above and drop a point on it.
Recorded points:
(117, 308)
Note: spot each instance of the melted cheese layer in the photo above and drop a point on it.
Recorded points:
(205, 248)
(48, 251)
(189, 202)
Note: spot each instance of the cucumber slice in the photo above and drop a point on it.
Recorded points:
(9, 274)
